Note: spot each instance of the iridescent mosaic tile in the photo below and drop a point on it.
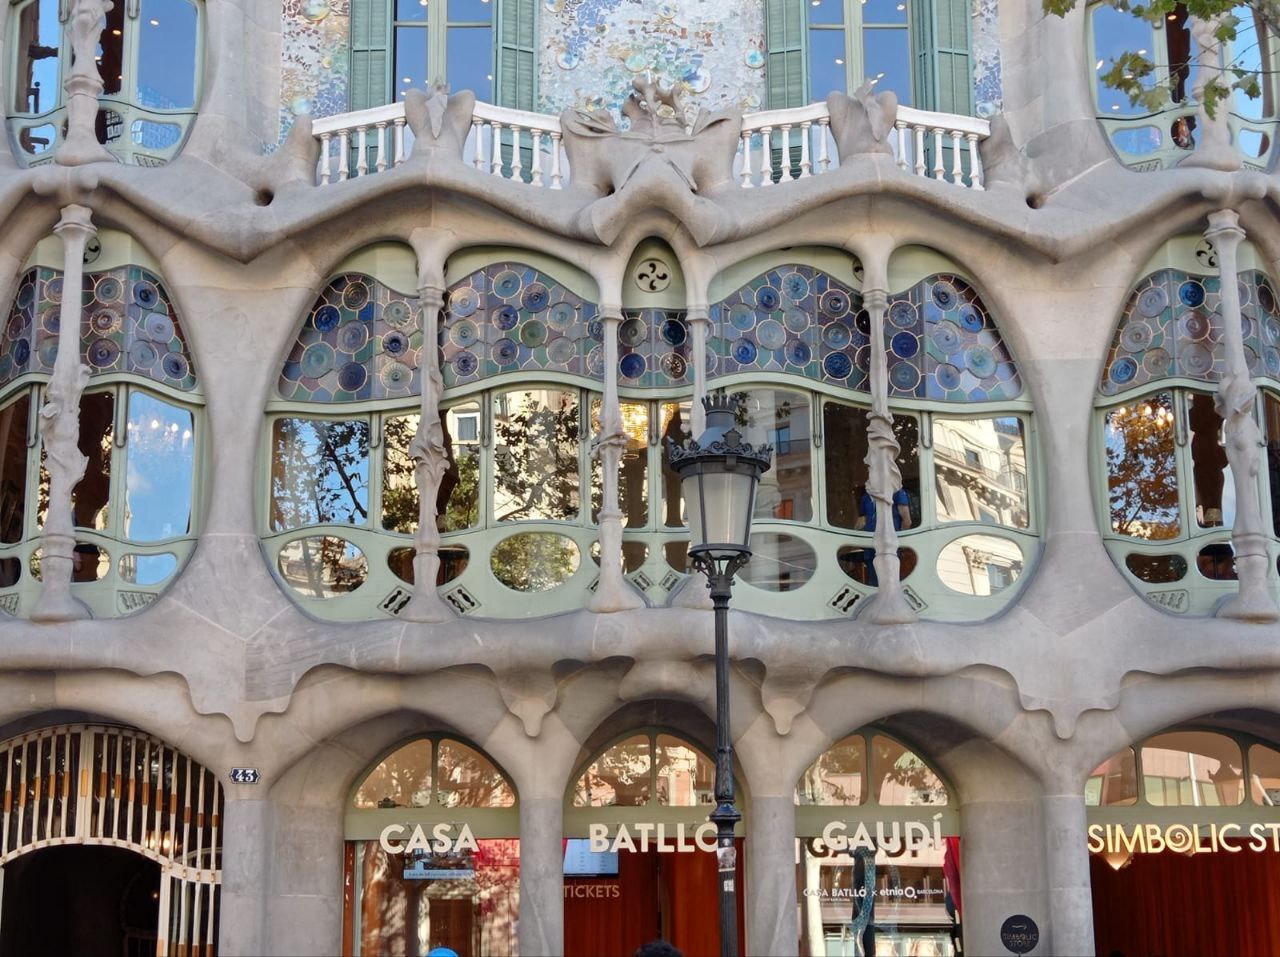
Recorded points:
(361, 340)
(128, 325)
(1171, 327)
(654, 349)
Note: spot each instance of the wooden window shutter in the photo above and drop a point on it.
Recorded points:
(940, 41)
(370, 53)
(516, 81)
(786, 67)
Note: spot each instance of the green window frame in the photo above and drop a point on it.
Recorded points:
(378, 26)
(938, 47)
(134, 122)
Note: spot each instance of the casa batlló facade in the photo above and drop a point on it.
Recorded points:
(345, 603)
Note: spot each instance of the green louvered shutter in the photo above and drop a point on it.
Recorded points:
(517, 73)
(786, 76)
(944, 74)
(370, 53)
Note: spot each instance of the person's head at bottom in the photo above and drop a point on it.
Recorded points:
(658, 948)
(442, 952)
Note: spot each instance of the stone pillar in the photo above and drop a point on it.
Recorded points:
(771, 879)
(541, 921)
(613, 592)
(888, 606)
(700, 332)
(60, 429)
(83, 85)
(246, 846)
(430, 462)
(1002, 864)
(1235, 401)
(1215, 150)
(1070, 886)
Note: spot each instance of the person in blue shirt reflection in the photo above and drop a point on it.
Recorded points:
(867, 523)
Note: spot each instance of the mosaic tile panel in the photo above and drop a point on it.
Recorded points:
(314, 59)
(511, 317)
(1171, 327)
(655, 349)
(988, 92)
(942, 344)
(793, 319)
(128, 324)
(361, 340)
(593, 49)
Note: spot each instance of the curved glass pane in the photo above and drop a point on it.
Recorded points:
(14, 420)
(617, 778)
(1264, 775)
(1252, 51)
(1114, 782)
(319, 472)
(458, 501)
(466, 778)
(401, 779)
(10, 571)
(779, 562)
(684, 775)
(37, 41)
(781, 419)
(536, 561)
(859, 564)
(980, 564)
(1192, 769)
(1142, 470)
(536, 441)
(633, 475)
(167, 59)
(677, 423)
(900, 778)
(1156, 569)
(161, 471)
(1210, 472)
(148, 569)
(634, 555)
(399, 483)
(89, 563)
(980, 471)
(844, 434)
(90, 499)
(453, 562)
(1217, 562)
(323, 566)
(838, 777)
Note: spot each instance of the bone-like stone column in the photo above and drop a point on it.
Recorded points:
(1214, 151)
(84, 85)
(60, 428)
(541, 928)
(613, 593)
(430, 462)
(888, 606)
(1070, 885)
(771, 918)
(1235, 401)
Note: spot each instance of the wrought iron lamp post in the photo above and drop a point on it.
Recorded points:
(718, 475)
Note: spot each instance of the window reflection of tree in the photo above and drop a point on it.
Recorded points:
(618, 778)
(1142, 477)
(536, 459)
(319, 472)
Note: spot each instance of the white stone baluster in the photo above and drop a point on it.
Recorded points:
(325, 140)
(344, 151)
(957, 170)
(535, 171)
(901, 127)
(1235, 401)
(746, 160)
(430, 463)
(612, 591)
(60, 429)
(399, 135)
(517, 164)
(919, 147)
(477, 129)
(975, 162)
(495, 150)
(939, 168)
(362, 150)
(824, 158)
(806, 130)
(555, 161)
(381, 163)
(766, 157)
(786, 151)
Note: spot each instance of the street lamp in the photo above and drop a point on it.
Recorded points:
(718, 475)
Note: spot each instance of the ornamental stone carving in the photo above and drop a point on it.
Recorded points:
(862, 123)
(439, 120)
(83, 85)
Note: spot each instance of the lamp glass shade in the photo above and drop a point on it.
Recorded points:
(719, 507)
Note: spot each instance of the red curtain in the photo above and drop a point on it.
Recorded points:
(1171, 905)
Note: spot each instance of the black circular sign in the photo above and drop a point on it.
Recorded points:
(1019, 934)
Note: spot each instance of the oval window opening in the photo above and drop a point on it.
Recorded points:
(89, 563)
(453, 562)
(323, 566)
(148, 569)
(779, 562)
(677, 555)
(1156, 569)
(634, 555)
(980, 564)
(858, 564)
(535, 561)
(10, 571)
(1217, 562)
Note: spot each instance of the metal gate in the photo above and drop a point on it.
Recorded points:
(114, 787)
